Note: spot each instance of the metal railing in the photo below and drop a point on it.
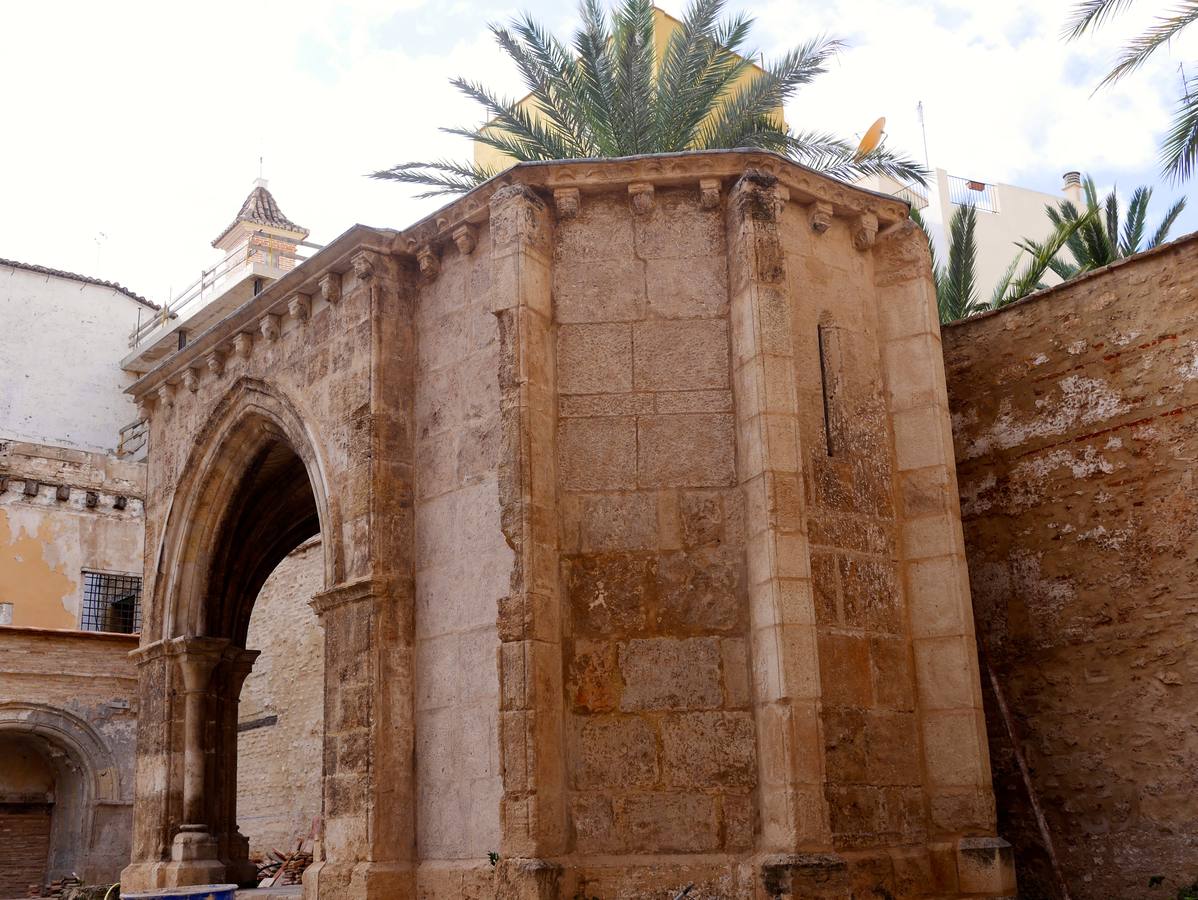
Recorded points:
(969, 192)
(259, 247)
(914, 194)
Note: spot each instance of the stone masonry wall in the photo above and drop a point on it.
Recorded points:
(281, 713)
(660, 734)
(462, 564)
(1074, 420)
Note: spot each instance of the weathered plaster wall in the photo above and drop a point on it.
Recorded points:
(70, 699)
(82, 405)
(1074, 422)
(281, 714)
(46, 542)
(462, 562)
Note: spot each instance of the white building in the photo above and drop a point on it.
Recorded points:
(61, 338)
(1006, 214)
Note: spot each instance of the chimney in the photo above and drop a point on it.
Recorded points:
(1072, 188)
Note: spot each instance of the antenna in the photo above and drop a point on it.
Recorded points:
(259, 166)
(873, 137)
(924, 129)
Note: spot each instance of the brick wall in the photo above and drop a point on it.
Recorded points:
(281, 713)
(24, 846)
(1075, 433)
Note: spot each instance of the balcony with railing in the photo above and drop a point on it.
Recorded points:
(248, 267)
(970, 192)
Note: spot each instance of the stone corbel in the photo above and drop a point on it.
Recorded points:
(166, 395)
(865, 230)
(709, 193)
(145, 407)
(191, 379)
(299, 307)
(150, 652)
(330, 287)
(641, 196)
(243, 344)
(363, 265)
(820, 216)
(466, 238)
(269, 326)
(566, 200)
(428, 262)
(216, 363)
(354, 591)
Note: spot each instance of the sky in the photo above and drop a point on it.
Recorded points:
(133, 131)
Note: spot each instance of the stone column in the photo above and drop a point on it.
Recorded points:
(932, 550)
(531, 748)
(152, 808)
(368, 840)
(234, 846)
(194, 852)
(794, 812)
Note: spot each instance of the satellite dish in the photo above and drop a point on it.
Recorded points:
(872, 138)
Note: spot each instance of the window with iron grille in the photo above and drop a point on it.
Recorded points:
(111, 602)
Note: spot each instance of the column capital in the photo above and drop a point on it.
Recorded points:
(197, 657)
(354, 591)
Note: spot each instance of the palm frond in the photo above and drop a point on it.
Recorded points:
(537, 141)
(443, 176)
(634, 97)
(1162, 232)
(1090, 14)
(1133, 225)
(1039, 263)
(961, 274)
(1179, 152)
(1137, 51)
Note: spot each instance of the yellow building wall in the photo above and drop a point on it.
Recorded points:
(46, 543)
(664, 26)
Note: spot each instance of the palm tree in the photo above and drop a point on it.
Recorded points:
(1102, 241)
(956, 283)
(1179, 152)
(606, 94)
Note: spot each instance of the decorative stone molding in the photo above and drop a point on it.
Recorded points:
(820, 216)
(145, 407)
(243, 344)
(641, 195)
(428, 262)
(363, 263)
(330, 287)
(566, 201)
(865, 230)
(299, 307)
(216, 363)
(269, 326)
(466, 238)
(350, 592)
(166, 395)
(191, 379)
(709, 193)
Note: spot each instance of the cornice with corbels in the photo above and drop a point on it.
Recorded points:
(567, 183)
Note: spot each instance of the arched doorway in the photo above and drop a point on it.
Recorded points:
(56, 776)
(256, 502)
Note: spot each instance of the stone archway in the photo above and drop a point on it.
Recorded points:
(256, 493)
(274, 438)
(86, 783)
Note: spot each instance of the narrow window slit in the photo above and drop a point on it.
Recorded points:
(830, 374)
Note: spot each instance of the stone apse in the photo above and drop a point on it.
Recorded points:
(642, 557)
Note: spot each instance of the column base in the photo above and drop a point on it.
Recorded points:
(986, 866)
(332, 880)
(527, 879)
(806, 875)
(193, 859)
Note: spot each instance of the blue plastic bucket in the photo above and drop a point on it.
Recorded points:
(192, 892)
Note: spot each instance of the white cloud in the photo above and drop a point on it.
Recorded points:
(145, 121)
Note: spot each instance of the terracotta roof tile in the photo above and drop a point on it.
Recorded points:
(85, 279)
(260, 208)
